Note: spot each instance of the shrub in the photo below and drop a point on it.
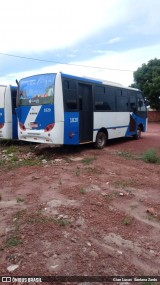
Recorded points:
(151, 156)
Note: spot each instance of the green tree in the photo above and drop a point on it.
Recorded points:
(147, 78)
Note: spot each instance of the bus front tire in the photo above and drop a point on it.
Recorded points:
(138, 134)
(101, 140)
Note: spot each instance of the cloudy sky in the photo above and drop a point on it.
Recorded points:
(106, 39)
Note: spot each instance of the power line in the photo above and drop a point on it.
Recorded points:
(66, 63)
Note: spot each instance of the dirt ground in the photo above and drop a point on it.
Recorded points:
(80, 211)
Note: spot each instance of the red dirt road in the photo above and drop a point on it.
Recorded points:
(81, 211)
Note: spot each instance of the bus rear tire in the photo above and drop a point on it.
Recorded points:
(138, 134)
(101, 140)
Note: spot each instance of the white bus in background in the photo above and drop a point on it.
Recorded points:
(66, 109)
(8, 118)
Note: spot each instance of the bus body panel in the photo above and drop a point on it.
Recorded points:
(120, 116)
(1, 115)
(8, 105)
(2, 93)
(7, 112)
(71, 128)
(58, 99)
(55, 136)
(36, 117)
(115, 125)
(2, 112)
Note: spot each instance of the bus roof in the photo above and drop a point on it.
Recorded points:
(98, 81)
(91, 80)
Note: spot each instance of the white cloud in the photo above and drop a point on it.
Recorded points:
(114, 40)
(120, 66)
(33, 25)
(143, 16)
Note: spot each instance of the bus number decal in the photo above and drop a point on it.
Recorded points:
(47, 110)
(73, 120)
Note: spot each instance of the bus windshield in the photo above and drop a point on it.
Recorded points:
(37, 89)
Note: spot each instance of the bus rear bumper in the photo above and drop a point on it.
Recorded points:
(40, 136)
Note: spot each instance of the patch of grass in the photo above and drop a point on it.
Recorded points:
(1, 162)
(13, 241)
(60, 181)
(62, 222)
(129, 191)
(14, 158)
(125, 154)
(88, 160)
(127, 221)
(16, 220)
(19, 199)
(125, 183)
(155, 218)
(67, 159)
(111, 196)
(38, 218)
(25, 162)
(151, 156)
(12, 149)
(134, 206)
(83, 191)
(29, 162)
(150, 217)
(19, 214)
(77, 172)
(94, 170)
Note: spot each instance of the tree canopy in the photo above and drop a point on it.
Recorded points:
(147, 78)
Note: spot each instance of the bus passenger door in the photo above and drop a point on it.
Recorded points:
(85, 113)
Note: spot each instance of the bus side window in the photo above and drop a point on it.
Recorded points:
(103, 99)
(70, 95)
(133, 102)
(141, 103)
(110, 98)
(122, 100)
(100, 98)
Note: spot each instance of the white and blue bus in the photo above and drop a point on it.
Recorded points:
(65, 109)
(8, 118)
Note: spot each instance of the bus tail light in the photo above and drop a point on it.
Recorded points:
(49, 127)
(22, 126)
(1, 125)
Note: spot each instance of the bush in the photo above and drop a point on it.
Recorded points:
(151, 156)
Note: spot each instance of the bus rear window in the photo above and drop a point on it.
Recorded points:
(37, 90)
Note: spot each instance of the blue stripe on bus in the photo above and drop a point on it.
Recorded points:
(88, 80)
(112, 128)
(139, 121)
(22, 113)
(44, 117)
(71, 128)
(2, 115)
